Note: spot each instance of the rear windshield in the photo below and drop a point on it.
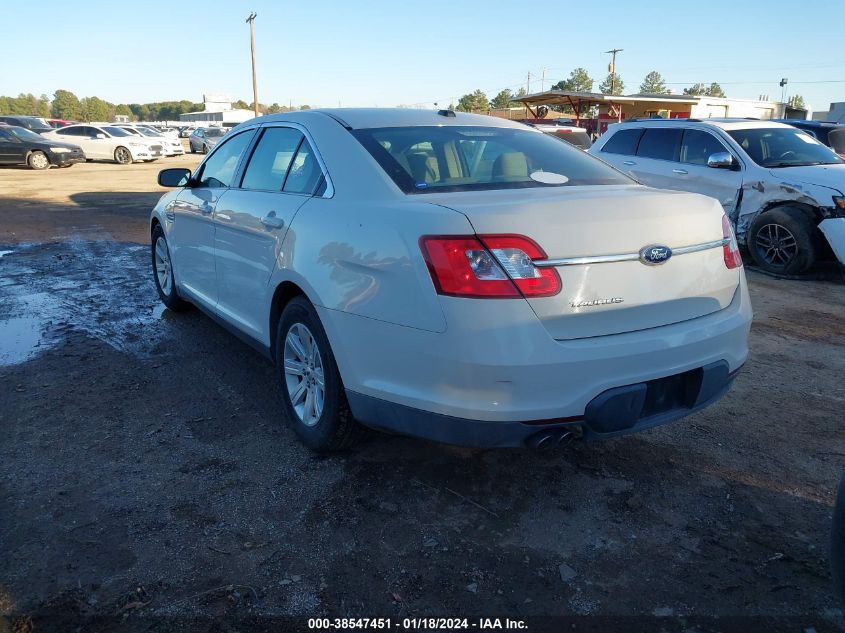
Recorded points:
(466, 158)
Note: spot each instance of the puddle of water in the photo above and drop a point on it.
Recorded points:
(6, 253)
(19, 339)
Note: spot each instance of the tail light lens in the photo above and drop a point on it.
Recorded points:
(733, 259)
(488, 266)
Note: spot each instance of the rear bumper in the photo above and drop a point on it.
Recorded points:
(616, 412)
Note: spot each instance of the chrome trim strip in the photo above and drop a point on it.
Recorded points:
(626, 257)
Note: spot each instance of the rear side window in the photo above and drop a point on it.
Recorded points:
(269, 163)
(623, 142)
(697, 146)
(305, 174)
(660, 143)
(467, 158)
(219, 169)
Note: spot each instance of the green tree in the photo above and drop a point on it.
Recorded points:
(66, 105)
(275, 108)
(696, 90)
(43, 108)
(474, 101)
(616, 81)
(653, 84)
(797, 101)
(502, 100)
(124, 110)
(95, 109)
(715, 90)
(578, 81)
(240, 104)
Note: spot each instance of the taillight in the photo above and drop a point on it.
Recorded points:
(488, 266)
(733, 259)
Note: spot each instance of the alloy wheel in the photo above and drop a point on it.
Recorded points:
(123, 156)
(304, 376)
(776, 244)
(162, 265)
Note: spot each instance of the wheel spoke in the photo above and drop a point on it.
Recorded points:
(298, 393)
(294, 342)
(319, 378)
(294, 367)
(308, 409)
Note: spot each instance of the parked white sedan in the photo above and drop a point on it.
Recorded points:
(172, 146)
(106, 142)
(455, 277)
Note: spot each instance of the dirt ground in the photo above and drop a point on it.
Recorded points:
(148, 481)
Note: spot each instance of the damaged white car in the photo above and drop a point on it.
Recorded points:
(783, 190)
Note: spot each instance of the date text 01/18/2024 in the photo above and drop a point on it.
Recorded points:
(412, 624)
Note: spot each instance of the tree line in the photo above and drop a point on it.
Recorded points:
(66, 105)
(579, 80)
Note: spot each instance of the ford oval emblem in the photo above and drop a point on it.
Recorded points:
(655, 254)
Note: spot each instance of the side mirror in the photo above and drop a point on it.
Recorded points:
(175, 177)
(721, 160)
(99, 135)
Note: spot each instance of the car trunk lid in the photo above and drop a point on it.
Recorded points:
(614, 294)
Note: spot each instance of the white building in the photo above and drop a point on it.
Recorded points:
(217, 110)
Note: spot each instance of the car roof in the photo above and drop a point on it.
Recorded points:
(722, 123)
(363, 118)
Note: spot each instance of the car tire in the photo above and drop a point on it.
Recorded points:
(163, 272)
(38, 161)
(204, 149)
(122, 156)
(322, 429)
(783, 241)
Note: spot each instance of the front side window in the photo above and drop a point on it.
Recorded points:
(466, 158)
(219, 169)
(660, 143)
(70, 131)
(269, 163)
(783, 147)
(697, 146)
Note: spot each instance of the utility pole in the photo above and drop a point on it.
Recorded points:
(251, 19)
(612, 67)
(528, 83)
(543, 81)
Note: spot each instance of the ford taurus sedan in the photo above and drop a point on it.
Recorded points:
(454, 277)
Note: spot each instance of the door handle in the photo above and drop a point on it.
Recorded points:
(271, 221)
(680, 171)
(628, 162)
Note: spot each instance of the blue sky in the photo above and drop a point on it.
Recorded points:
(400, 52)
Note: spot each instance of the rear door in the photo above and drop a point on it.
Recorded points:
(192, 235)
(251, 221)
(620, 150)
(656, 162)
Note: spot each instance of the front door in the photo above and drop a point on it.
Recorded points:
(12, 151)
(694, 174)
(192, 235)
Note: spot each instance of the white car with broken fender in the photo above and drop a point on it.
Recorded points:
(783, 189)
(456, 277)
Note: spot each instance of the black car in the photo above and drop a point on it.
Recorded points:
(19, 146)
(34, 123)
(831, 134)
